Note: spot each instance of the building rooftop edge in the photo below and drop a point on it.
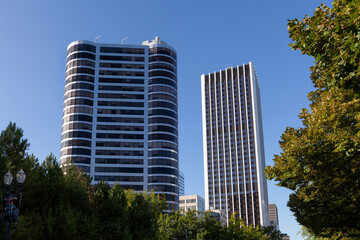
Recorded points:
(244, 64)
(147, 43)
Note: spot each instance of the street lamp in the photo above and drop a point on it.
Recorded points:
(8, 179)
(12, 200)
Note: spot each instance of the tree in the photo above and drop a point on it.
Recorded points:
(332, 37)
(320, 161)
(13, 147)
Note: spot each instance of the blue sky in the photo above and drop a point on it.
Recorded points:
(208, 36)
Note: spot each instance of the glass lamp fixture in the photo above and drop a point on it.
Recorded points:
(20, 177)
(8, 178)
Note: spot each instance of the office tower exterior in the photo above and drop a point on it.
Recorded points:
(273, 216)
(191, 202)
(181, 183)
(233, 144)
(120, 120)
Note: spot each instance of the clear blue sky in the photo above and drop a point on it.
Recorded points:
(208, 36)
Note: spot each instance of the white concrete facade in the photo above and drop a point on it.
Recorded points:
(120, 121)
(233, 145)
(191, 202)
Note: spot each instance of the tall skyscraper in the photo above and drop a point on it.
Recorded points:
(120, 121)
(181, 183)
(233, 144)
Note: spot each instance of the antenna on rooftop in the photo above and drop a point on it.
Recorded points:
(97, 38)
(122, 41)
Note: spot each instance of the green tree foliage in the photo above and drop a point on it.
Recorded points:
(58, 204)
(320, 161)
(61, 203)
(332, 37)
(195, 225)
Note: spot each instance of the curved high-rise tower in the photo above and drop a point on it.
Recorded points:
(163, 164)
(120, 119)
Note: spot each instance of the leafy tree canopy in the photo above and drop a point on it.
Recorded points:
(332, 37)
(320, 161)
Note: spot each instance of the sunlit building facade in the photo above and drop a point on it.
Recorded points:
(233, 144)
(120, 121)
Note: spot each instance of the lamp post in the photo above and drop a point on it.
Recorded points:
(12, 200)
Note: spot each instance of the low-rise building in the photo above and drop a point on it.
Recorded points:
(191, 202)
(273, 215)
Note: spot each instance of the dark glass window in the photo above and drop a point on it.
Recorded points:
(119, 170)
(120, 104)
(122, 58)
(120, 111)
(160, 73)
(78, 94)
(161, 128)
(163, 188)
(160, 144)
(132, 187)
(87, 110)
(121, 80)
(81, 160)
(78, 117)
(162, 50)
(164, 112)
(78, 63)
(121, 73)
(121, 65)
(80, 143)
(81, 55)
(118, 161)
(163, 161)
(76, 134)
(120, 119)
(76, 151)
(163, 179)
(162, 104)
(78, 101)
(80, 70)
(163, 153)
(170, 121)
(120, 128)
(119, 152)
(165, 81)
(75, 78)
(162, 96)
(162, 136)
(159, 88)
(120, 96)
(156, 65)
(122, 50)
(119, 178)
(81, 47)
(80, 85)
(119, 136)
(120, 144)
(120, 88)
(81, 126)
(162, 59)
(163, 170)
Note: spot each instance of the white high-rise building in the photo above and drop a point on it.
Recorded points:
(120, 115)
(233, 144)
